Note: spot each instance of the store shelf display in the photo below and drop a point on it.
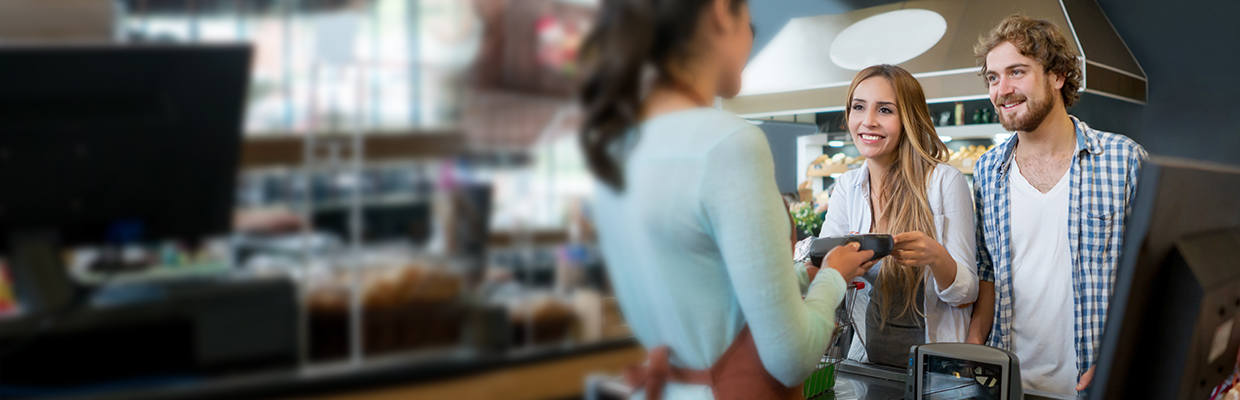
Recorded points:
(964, 158)
(825, 166)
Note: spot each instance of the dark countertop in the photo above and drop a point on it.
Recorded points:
(858, 381)
(867, 382)
(854, 381)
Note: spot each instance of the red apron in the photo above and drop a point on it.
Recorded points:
(738, 374)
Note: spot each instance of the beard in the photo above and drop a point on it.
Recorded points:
(1036, 111)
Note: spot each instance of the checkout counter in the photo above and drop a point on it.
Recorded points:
(866, 381)
(854, 381)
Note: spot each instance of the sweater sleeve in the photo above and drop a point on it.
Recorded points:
(743, 209)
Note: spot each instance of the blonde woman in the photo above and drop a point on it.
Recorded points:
(923, 292)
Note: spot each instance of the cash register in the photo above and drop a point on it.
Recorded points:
(110, 145)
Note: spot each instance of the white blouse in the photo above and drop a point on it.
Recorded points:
(951, 202)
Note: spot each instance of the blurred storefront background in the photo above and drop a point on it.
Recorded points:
(409, 166)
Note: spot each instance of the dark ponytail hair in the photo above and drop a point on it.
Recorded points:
(628, 37)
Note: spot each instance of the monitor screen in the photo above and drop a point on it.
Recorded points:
(1177, 286)
(950, 378)
(108, 143)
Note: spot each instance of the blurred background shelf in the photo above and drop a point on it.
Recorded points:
(286, 149)
(828, 170)
(972, 131)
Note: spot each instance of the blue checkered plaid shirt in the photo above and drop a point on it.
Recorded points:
(1103, 182)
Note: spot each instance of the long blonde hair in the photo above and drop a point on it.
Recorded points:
(904, 203)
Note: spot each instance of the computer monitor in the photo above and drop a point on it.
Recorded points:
(108, 144)
(1172, 330)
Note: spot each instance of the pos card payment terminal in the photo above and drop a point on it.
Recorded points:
(962, 371)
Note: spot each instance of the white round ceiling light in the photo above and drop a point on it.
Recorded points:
(888, 38)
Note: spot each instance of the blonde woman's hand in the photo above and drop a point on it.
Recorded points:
(916, 249)
(850, 260)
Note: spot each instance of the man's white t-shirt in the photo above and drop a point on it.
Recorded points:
(1042, 305)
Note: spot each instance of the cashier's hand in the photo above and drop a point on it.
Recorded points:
(850, 260)
(1086, 379)
(811, 271)
(915, 249)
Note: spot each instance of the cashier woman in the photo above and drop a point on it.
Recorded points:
(923, 292)
(694, 234)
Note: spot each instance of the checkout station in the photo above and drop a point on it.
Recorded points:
(107, 147)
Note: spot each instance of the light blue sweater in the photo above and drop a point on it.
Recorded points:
(697, 245)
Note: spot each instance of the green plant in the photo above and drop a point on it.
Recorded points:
(808, 221)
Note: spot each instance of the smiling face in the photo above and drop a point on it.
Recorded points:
(874, 119)
(1023, 94)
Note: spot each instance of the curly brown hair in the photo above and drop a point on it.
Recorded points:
(1041, 41)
